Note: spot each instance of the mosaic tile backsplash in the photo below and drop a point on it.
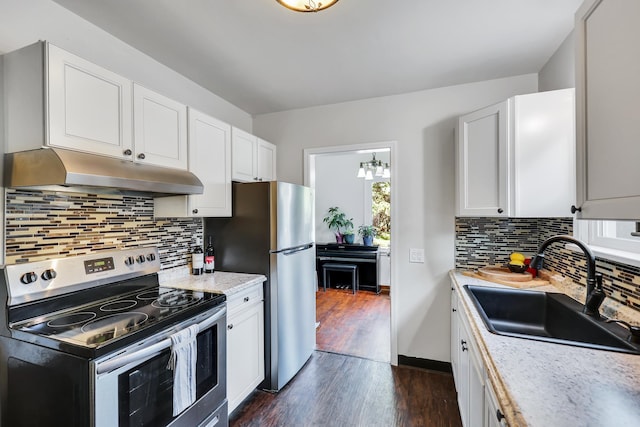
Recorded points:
(42, 224)
(482, 242)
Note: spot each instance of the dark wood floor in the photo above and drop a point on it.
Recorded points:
(357, 325)
(339, 390)
(348, 381)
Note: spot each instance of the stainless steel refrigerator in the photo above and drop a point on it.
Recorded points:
(271, 232)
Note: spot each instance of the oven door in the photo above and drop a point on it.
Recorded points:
(134, 386)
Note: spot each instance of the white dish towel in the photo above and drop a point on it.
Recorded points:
(184, 355)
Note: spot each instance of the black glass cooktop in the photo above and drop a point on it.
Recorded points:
(99, 324)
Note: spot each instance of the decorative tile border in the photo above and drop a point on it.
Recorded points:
(484, 242)
(41, 225)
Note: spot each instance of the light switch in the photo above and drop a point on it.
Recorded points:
(416, 255)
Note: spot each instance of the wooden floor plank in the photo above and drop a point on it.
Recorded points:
(356, 325)
(339, 390)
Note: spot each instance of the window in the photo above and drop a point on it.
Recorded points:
(377, 209)
(381, 211)
(615, 240)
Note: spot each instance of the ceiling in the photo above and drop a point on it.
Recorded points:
(265, 58)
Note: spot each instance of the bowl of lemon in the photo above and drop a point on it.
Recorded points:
(516, 263)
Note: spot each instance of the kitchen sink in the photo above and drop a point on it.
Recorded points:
(546, 316)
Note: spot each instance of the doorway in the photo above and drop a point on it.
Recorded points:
(362, 324)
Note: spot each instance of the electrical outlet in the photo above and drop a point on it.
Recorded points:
(416, 255)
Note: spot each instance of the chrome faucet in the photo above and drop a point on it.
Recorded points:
(595, 294)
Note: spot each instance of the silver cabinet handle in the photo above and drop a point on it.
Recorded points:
(246, 299)
(212, 422)
(127, 152)
(141, 156)
(230, 326)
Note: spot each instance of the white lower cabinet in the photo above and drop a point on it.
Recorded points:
(245, 344)
(476, 399)
(492, 414)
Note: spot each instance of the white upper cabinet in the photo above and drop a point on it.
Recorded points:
(253, 159)
(160, 129)
(243, 156)
(89, 107)
(209, 160)
(608, 122)
(56, 98)
(517, 158)
(266, 161)
(482, 162)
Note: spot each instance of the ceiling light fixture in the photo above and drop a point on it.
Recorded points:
(307, 5)
(373, 167)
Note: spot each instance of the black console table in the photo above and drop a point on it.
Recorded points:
(365, 257)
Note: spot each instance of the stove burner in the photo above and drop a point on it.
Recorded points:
(71, 319)
(113, 326)
(148, 295)
(174, 299)
(118, 305)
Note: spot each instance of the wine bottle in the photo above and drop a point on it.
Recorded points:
(209, 257)
(197, 258)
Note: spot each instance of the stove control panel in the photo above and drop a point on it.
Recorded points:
(93, 266)
(43, 279)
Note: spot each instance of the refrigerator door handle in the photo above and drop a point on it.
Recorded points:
(291, 251)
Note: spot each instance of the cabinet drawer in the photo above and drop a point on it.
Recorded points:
(244, 299)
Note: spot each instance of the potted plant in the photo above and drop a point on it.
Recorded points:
(367, 232)
(336, 220)
(348, 235)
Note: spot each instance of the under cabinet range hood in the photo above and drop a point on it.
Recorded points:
(58, 169)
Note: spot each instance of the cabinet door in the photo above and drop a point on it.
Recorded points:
(89, 108)
(210, 160)
(608, 120)
(160, 129)
(476, 388)
(493, 415)
(482, 162)
(463, 373)
(543, 136)
(455, 342)
(245, 353)
(243, 156)
(266, 163)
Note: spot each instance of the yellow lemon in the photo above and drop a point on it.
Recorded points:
(515, 262)
(517, 256)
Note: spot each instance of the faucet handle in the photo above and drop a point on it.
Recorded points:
(598, 280)
(634, 335)
(595, 297)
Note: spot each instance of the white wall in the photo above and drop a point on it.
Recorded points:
(25, 22)
(423, 124)
(559, 71)
(337, 185)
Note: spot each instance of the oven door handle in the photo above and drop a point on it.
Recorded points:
(126, 358)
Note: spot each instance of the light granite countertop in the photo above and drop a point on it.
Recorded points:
(547, 384)
(219, 282)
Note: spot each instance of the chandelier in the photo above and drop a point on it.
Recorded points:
(307, 5)
(373, 168)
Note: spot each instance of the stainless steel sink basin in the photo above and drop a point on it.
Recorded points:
(546, 316)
